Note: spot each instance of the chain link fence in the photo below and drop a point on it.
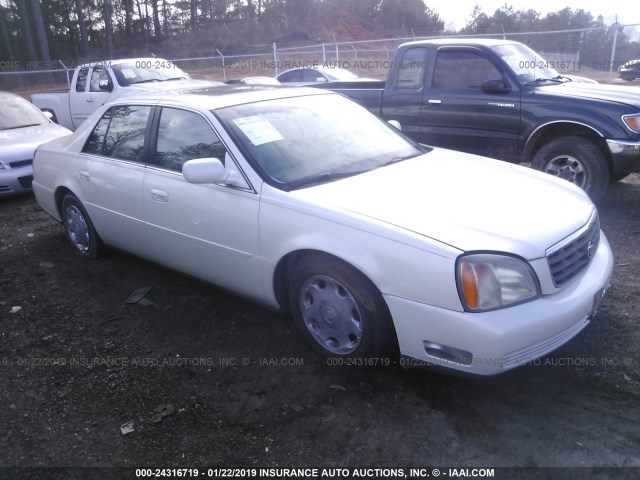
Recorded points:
(596, 53)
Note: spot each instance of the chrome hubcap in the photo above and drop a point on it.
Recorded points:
(77, 228)
(568, 168)
(331, 314)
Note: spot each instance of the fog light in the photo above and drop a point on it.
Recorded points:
(450, 354)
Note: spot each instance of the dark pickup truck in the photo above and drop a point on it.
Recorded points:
(500, 99)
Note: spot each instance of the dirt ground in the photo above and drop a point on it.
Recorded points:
(203, 379)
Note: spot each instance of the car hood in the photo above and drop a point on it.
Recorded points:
(465, 201)
(611, 93)
(165, 86)
(20, 143)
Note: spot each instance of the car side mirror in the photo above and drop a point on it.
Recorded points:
(48, 114)
(105, 85)
(204, 170)
(495, 86)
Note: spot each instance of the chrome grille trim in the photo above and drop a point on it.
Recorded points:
(569, 257)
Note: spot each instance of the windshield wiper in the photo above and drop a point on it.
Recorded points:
(543, 80)
(22, 126)
(325, 178)
(400, 159)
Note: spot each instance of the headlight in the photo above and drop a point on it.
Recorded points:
(490, 281)
(632, 122)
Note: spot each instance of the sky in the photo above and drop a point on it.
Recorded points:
(458, 12)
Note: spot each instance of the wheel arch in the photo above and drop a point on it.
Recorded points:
(565, 128)
(284, 267)
(59, 195)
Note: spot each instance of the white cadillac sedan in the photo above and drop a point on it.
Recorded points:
(304, 201)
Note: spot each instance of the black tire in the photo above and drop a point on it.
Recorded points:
(79, 228)
(339, 311)
(577, 160)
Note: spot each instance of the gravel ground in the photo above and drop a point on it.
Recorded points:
(203, 379)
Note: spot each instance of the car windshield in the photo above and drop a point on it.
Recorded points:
(527, 65)
(147, 70)
(302, 141)
(18, 113)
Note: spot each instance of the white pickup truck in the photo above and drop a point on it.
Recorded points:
(94, 84)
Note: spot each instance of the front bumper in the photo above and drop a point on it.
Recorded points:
(625, 155)
(15, 180)
(500, 340)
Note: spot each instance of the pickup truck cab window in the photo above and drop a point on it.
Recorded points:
(81, 82)
(463, 70)
(183, 136)
(120, 133)
(98, 75)
(411, 68)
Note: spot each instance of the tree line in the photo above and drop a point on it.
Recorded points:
(79, 30)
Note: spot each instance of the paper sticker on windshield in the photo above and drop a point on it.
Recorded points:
(128, 73)
(258, 130)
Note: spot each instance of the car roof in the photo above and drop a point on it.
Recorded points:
(219, 95)
(485, 42)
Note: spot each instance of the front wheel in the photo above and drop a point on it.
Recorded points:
(79, 228)
(577, 160)
(339, 311)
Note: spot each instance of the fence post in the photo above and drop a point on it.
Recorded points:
(324, 55)
(355, 50)
(275, 58)
(66, 70)
(613, 51)
(224, 72)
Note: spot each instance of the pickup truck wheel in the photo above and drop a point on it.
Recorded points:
(339, 311)
(577, 160)
(79, 228)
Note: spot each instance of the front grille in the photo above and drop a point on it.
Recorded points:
(20, 163)
(571, 256)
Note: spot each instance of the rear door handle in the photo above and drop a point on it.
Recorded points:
(90, 99)
(159, 195)
(434, 101)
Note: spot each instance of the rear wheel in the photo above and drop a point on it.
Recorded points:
(79, 228)
(339, 311)
(577, 160)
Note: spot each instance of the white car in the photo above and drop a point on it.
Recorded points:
(22, 128)
(305, 202)
(297, 77)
